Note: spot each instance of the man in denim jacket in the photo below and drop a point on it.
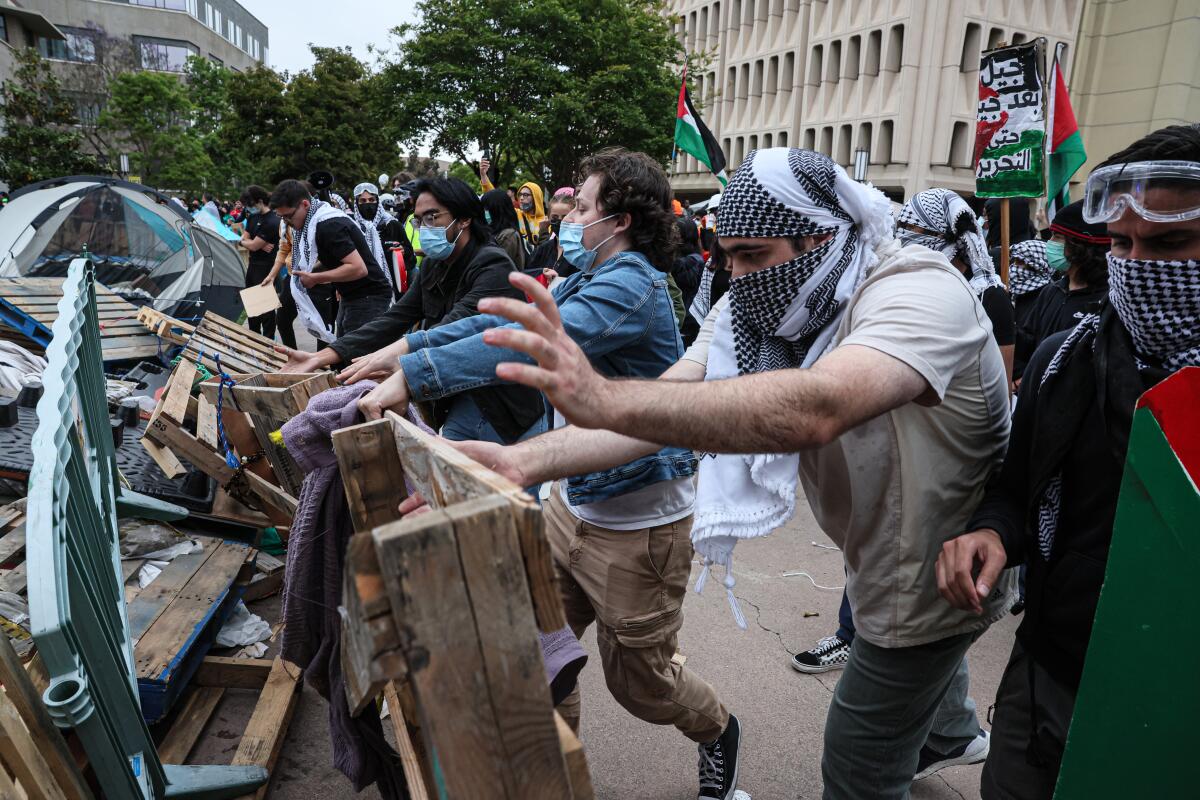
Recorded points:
(619, 536)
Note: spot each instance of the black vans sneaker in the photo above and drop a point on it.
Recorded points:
(832, 652)
(719, 763)
(973, 752)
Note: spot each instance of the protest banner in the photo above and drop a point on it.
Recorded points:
(1010, 127)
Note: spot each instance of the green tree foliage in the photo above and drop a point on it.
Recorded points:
(39, 139)
(261, 126)
(153, 115)
(535, 84)
(465, 172)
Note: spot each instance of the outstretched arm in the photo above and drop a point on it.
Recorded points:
(781, 411)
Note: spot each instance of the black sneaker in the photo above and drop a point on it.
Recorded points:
(973, 752)
(719, 763)
(832, 652)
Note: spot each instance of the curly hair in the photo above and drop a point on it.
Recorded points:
(1091, 259)
(1172, 143)
(635, 184)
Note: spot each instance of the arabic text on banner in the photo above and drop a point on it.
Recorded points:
(1010, 123)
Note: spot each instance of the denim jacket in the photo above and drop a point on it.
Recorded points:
(619, 313)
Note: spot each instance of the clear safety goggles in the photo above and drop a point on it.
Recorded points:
(1158, 191)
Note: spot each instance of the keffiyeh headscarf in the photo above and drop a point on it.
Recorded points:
(1028, 269)
(955, 231)
(370, 229)
(304, 254)
(382, 216)
(780, 317)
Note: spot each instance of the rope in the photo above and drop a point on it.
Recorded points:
(225, 380)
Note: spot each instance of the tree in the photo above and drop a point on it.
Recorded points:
(261, 127)
(152, 114)
(465, 172)
(114, 55)
(535, 85)
(39, 139)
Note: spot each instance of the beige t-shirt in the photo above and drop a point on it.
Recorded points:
(892, 490)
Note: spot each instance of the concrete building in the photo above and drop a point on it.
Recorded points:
(897, 79)
(1137, 69)
(162, 33)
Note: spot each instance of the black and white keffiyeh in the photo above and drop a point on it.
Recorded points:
(304, 254)
(954, 231)
(1028, 269)
(780, 317)
(1159, 304)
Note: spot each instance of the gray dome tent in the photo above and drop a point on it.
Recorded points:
(144, 245)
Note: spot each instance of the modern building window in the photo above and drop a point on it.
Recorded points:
(773, 75)
(704, 28)
(164, 55)
(816, 69)
(788, 79)
(835, 62)
(895, 50)
(80, 46)
(864, 139)
(727, 149)
(1019, 38)
(969, 60)
(744, 82)
(753, 144)
(884, 150)
(756, 89)
(740, 151)
(208, 16)
(218, 19)
(173, 5)
(731, 84)
(749, 18)
(3, 28)
(216, 60)
(995, 37)
(959, 153)
(782, 142)
(874, 45)
(853, 51)
(843, 148)
(826, 140)
(810, 139)
(87, 108)
(766, 141)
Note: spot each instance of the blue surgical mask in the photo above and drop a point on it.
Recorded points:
(1056, 256)
(435, 245)
(570, 236)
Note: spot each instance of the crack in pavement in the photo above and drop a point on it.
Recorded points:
(951, 788)
(758, 622)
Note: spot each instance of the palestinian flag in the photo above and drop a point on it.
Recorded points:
(693, 136)
(1066, 146)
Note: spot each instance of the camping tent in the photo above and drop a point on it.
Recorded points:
(145, 247)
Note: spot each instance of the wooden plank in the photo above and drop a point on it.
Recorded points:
(21, 754)
(179, 389)
(271, 494)
(410, 761)
(262, 586)
(154, 599)
(370, 646)
(577, 766)
(168, 433)
(206, 424)
(168, 635)
(227, 672)
(371, 472)
(490, 553)
(12, 544)
(268, 725)
(189, 725)
(15, 580)
(47, 738)
(269, 564)
(166, 460)
(446, 476)
(419, 557)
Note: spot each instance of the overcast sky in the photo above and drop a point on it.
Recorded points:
(293, 25)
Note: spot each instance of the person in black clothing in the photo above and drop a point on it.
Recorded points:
(941, 220)
(501, 220)
(1053, 504)
(369, 212)
(462, 266)
(1077, 251)
(261, 237)
(548, 254)
(1028, 273)
(688, 270)
(329, 249)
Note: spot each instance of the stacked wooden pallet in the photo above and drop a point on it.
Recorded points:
(240, 349)
(29, 307)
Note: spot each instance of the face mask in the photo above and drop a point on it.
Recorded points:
(555, 226)
(1056, 256)
(487, 216)
(1158, 302)
(368, 210)
(571, 237)
(435, 245)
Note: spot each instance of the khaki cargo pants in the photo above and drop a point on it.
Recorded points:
(632, 584)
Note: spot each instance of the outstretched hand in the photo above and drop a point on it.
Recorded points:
(563, 372)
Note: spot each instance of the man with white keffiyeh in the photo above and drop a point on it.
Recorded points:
(941, 220)
(841, 362)
(1053, 504)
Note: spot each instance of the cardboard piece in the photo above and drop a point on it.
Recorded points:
(259, 300)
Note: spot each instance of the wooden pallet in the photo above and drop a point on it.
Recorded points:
(241, 350)
(279, 684)
(30, 306)
(444, 607)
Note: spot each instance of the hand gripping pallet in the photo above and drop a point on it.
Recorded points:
(442, 611)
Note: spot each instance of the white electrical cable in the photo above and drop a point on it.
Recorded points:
(813, 581)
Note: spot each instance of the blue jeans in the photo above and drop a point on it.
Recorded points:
(845, 629)
(466, 424)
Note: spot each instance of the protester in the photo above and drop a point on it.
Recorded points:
(714, 283)
(1028, 272)
(501, 219)
(1054, 503)
(260, 238)
(942, 221)
(631, 578)
(463, 265)
(378, 224)
(329, 249)
(549, 253)
(688, 272)
(1077, 251)
(893, 346)
(404, 202)
(286, 314)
